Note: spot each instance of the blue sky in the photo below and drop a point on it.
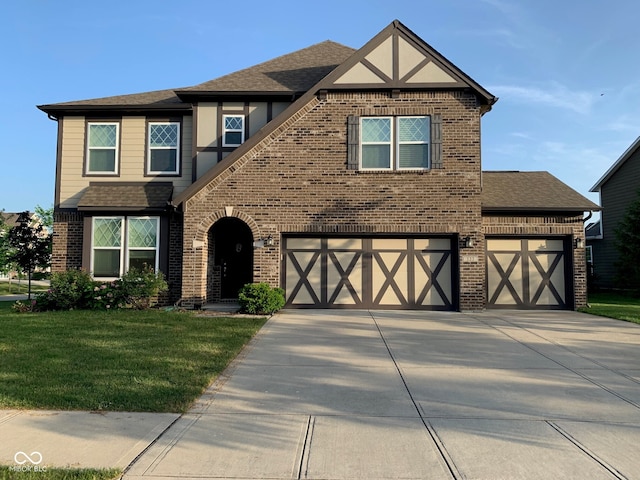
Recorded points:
(566, 72)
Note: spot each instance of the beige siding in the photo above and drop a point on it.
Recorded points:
(131, 158)
(72, 181)
(207, 125)
(279, 107)
(206, 160)
(257, 117)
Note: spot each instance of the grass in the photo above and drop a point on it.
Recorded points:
(614, 305)
(18, 289)
(146, 361)
(7, 473)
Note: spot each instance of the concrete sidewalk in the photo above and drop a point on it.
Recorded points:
(383, 395)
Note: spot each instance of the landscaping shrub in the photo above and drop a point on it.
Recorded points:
(260, 298)
(140, 288)
(75, 289)
(68, 290)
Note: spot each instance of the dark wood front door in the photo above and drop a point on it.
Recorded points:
(233, 255)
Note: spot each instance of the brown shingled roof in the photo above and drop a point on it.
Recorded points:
(530, 191)
(293, 73)
(136, 196)
(289, 74)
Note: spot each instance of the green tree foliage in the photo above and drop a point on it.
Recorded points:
(45, 216)
(628, 245)
(5, 248)
(31, 245)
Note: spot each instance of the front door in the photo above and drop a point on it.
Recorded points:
(233, 255)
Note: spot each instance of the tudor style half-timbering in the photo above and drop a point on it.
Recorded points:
(350, 178)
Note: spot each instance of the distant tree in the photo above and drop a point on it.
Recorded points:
(31, 244)
(46, 217)
(627, 243)
(5, 248)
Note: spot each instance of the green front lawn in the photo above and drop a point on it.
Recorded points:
(7, 473)
(613, 305)
(151, 361)
(16, 288)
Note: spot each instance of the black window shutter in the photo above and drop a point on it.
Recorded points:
(353, 142)
(436, 141)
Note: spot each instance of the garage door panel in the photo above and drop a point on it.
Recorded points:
(547, 280)
(303, 277)
(389, 280)
(369, 272)
(504, 278)
(527, 273)
(432, 284)
(344, 273)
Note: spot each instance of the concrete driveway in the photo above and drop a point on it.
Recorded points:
(417, 395)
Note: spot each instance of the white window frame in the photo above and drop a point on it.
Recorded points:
(124, 243)
(128, 248)
(226, 130)
(397, 143)
(120, 248)
(389, 144)
(589, 253)
(116, 149)
(394, 145)
(150, 148)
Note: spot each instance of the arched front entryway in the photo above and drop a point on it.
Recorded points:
(230, 258)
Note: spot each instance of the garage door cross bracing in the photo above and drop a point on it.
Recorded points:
(528, 273)
(375, 272)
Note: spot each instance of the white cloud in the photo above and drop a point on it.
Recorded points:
(554, 95)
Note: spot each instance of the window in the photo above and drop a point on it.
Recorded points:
(394, 143)
(233, 134)
(102, 148)
(121, 243)
(164, 145)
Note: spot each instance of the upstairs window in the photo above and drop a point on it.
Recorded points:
(163, 157)
(395, 143)
(102, 148)
(233, 133)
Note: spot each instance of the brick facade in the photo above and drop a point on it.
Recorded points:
(296, 180)
(67, 241)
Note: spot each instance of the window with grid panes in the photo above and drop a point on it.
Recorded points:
(102, 148)
(122, 243)
(394, 143)
(163, 157)
(233, 134)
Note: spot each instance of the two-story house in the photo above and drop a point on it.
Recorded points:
(618, 188)
(351, 178)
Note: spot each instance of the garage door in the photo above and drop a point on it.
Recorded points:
(406, 273)
(528, 273)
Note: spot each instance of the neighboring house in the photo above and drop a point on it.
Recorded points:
(351, 178)
(618, 188)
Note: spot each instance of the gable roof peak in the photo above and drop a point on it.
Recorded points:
(396, 58)
(628, 153)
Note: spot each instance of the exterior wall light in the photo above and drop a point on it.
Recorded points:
(268, 242)
(578, 243)
(467, 242)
